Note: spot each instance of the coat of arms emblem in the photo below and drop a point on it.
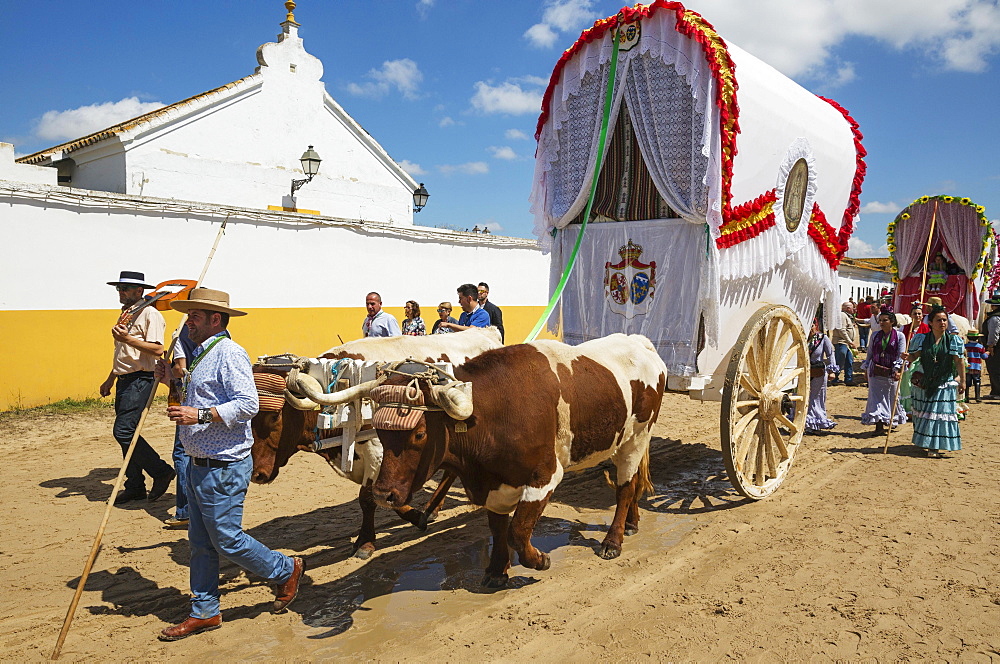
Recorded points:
(629, 284)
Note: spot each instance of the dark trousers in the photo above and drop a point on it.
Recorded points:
(993, 368)
(973, 380)
(131, 392)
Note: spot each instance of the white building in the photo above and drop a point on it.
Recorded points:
(239, 145)
(150, 194)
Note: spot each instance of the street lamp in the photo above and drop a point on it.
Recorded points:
(420, 197)
(310, 166)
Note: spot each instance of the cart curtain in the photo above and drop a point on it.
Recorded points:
(640, 277)
(670, 94)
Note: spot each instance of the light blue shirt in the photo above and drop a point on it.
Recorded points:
(382, 325)
(222, 379)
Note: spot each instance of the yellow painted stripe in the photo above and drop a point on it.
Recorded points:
(46, 356)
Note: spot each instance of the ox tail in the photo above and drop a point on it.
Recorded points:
(645, 484)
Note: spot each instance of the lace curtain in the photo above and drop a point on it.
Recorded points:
(664, 64)
(959, 226)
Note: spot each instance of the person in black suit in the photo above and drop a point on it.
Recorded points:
(496, 316)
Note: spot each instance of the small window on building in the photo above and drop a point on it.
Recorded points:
(291, 68)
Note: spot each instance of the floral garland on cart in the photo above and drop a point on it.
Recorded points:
(983, 266)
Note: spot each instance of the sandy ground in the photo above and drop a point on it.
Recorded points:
(859, 556)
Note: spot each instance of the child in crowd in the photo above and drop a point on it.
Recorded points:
(975, 352)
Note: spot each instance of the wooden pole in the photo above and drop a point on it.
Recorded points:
(913, 327)
(95, 549)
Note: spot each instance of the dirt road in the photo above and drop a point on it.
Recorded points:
(859, 555)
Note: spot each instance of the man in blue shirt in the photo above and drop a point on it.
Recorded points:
(219, 401)
(472, 314)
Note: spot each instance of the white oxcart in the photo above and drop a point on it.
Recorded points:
(708, 230)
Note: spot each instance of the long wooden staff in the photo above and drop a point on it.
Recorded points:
(121, 475)
(913, 328)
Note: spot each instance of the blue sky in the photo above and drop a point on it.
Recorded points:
(451, 88)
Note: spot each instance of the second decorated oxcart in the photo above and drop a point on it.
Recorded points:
(708, 228)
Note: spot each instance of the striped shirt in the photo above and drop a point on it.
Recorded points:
(974, 350)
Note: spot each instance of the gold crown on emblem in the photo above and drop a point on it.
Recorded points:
(630, 252)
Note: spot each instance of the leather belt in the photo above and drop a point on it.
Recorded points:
(211, 463)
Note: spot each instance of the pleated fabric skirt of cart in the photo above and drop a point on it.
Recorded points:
(935, 420)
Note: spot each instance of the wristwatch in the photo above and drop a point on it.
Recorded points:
(205, 416)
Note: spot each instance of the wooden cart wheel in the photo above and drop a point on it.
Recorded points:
(764, 401)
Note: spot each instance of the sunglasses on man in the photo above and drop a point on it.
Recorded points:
(442, 310)
(124, 287)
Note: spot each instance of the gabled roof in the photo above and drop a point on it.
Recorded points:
(151, 119)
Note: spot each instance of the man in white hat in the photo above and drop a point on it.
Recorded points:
(138, 339)
(219, 401)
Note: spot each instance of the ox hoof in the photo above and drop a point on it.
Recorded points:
(610, 551)
(544, 563)
(631, 530)
(490, 581)
(423, 520)
(364, 552)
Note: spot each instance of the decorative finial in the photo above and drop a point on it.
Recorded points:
(290, 6)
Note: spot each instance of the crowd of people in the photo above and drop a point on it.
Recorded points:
(919, 371)
(477, 311)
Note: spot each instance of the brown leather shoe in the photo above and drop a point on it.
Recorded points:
(190, 626)
(285, 592)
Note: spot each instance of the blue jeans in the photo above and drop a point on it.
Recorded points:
(216, 511)
(863, 334)
(181, 461)
(131, 392)
(845, 360)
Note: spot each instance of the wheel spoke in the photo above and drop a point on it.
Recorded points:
(786, 358)
(754, 371)
(796, 397)
(773, 437)
(743, 445)
(758, 477)
(788, 424)
(780, 342)
(788, 377)
(747, 382)
(741, 427)
(779, 442)
(752, 402)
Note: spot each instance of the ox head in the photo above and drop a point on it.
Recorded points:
(413, 419)
(278, 427)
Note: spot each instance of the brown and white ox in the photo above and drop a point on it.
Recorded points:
(279, 434)
(536, 410)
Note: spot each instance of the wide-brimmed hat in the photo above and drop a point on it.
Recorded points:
(127, 278)
(207, 299)
(972, 333)
(995, 301)
(935, 301)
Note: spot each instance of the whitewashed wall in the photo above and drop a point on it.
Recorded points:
(68, 243)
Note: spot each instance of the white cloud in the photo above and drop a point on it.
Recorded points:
(77, 122)
(515, 135)
(469, 168)
(493, 225)
(502, 152)
(561, 16)
(411, 168)
(446, 121)
(508, 97)
(423, 7)
(860, 249)
(875, 207)
(404, 75)
(798, 37)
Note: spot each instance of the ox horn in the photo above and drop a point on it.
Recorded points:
(454, 398)
(309, 386)
(299, 403)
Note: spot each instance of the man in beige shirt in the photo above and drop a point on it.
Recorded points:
(845, 343)
(138, 344)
